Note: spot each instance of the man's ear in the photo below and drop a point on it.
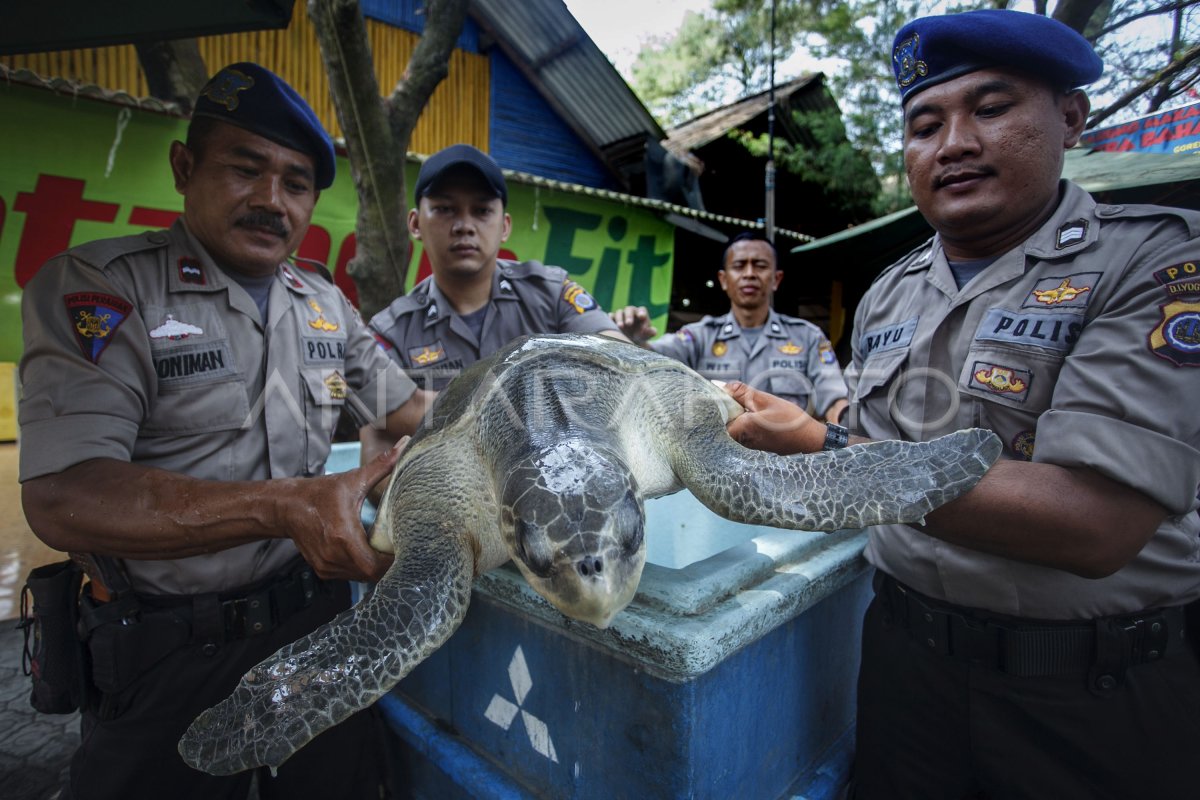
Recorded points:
(414, 225)
(1075, 106)
(778, 280)
(183, 163)
(721, 279)
(504, 234)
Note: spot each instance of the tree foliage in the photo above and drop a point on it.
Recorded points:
(1151, 50)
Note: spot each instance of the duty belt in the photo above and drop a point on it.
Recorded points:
(1029, 648)
(248, 611)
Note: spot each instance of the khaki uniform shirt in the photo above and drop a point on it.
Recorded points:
(421, 332)
(791, 357)
(141, 349)
(1080, 347)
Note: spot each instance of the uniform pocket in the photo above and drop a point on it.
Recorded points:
(327, 393)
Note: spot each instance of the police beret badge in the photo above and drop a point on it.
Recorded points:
(907, 65)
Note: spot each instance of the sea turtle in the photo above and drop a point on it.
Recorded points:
(543, 453)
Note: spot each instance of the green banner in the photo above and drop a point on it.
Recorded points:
(77, 169)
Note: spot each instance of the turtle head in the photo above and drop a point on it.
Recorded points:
(573, 522)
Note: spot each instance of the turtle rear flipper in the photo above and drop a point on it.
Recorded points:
(854, 487)
(343, 666)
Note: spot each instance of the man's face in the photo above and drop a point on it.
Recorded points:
(462, 224)
(984, 153)
(247, 199)
(750, 277)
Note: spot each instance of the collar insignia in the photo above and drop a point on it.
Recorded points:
(1070, 233)
(191, 271)
(505, 286)
(291, 277)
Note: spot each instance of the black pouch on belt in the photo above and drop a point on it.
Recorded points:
(54, 657)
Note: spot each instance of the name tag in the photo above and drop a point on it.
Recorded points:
(194, 364)
(893, 337)
(323, 350)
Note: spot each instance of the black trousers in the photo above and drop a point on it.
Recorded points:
(932, 726)
(132, 755)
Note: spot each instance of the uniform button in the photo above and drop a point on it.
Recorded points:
(258, 626)
(1106, 683)
(1155, 627)
(157, 238)
(929, 617)
(931, 643)
(424, 300)
(1110, 211)
(209, 649)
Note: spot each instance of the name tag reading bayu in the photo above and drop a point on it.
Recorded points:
(892, 337)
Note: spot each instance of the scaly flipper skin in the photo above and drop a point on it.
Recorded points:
(350, 662)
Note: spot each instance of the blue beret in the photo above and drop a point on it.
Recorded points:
(258, 100)
(932, 50)
(461, 155)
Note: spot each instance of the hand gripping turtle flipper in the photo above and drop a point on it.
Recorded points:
(343, 666)
(854, 487)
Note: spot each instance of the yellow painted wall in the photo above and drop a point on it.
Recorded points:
(8, 401)
(457, 112)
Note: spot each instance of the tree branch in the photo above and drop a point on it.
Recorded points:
(1150, 12)
(429, 65)
(1165, 74)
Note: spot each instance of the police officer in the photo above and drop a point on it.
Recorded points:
(473, 303)
(786, 356)
(1030, 640)
(180, 391)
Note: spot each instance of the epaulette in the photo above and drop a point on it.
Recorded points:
(401, 306)
(1189, 217)
(313, 267)
(520, 270)
(101, 252)
(907, 260)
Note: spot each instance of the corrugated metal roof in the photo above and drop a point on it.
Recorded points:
(556, 54)
(699, 131)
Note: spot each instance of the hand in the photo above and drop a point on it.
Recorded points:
(772, 423)
(326, 525)
(634, 322)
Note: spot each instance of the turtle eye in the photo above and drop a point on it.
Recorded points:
(537, 559)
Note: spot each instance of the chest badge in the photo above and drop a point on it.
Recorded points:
(320, 323)
(427, 354)
(336, 384)
(790, 349)
(719, 349)
(1063, 293)
(175, 330)
(1001, 380)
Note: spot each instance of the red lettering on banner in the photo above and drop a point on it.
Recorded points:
(152, 218)
(315, 246)
(1183, 130)
(51, 211)
(341, 276)
(1151, 138)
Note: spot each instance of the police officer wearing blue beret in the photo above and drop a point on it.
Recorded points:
(1032, 638)
(180, 391)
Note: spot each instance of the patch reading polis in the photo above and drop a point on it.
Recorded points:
(320, 323)
(998, 379)
(825, 352)
(1071, 291)
(790, 349)
(1070, 233)
(909, 67)
(719, 349)
(426, 354)
(225, 87)
(891, 337)
(336, 384)
(192, 271)
(1022, 445)
(1179, 279)
(94, 320)
(579, 299)
(175, 330)
(1177, 337)
(1052, 331)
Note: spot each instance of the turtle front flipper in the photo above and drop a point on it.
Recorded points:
(868, 484)
(343, 666)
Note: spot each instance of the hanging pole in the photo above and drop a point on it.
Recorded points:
(770, 176)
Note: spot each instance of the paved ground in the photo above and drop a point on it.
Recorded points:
(35, 749)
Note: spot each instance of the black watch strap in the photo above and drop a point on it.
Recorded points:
(836, 437)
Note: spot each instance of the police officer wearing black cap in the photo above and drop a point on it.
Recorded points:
(180, 391)
(474, 303)
(1032, 638)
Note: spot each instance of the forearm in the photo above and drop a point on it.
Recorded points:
(132, 511)
(1019, 510)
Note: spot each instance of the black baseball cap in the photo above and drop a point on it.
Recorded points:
(457, 155)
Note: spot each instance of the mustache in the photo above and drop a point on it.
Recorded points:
(263, 219)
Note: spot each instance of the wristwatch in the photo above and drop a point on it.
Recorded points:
(836, 437)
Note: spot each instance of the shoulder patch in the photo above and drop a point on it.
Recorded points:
(94, 319)
(1180, 279)
(1177, 336)
(577, 297)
